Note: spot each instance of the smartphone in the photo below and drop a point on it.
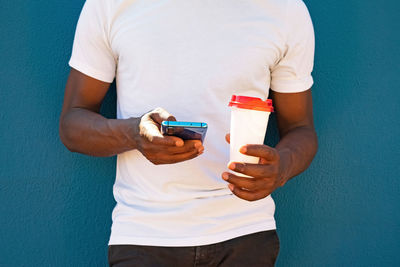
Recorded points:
(185, 130)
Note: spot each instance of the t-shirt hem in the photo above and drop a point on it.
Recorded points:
(89, 71)
(191, 241)
(292, 86)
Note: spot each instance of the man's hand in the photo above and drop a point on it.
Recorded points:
(84, 130)
(291, 156)
(267, 175)
(161, 149)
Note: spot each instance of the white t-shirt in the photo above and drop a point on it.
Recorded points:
(189, 57)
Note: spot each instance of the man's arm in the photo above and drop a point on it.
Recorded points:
(84, 130)
(292, 155)
(296, 129)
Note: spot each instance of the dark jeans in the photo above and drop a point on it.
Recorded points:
(258, 249)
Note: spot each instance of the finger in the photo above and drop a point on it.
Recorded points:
(247, 195)
(228, 138)
(175, 158)
(160, 114)
(154, 136)
(186, 156)
(250, 184)
(262, 151)
(151, 148)
(167, 140)
(254, 170)
(150, 130)
(189, 145)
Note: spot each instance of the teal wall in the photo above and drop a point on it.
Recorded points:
(344, 211)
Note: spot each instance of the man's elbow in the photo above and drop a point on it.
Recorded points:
(314, 142)
(66, 136)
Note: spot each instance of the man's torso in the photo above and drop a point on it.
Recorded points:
(189, 57)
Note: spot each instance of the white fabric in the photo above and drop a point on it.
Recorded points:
(189, 57)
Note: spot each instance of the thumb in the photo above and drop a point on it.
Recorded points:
(151, 131)
(262, 151)
(160, 114)
(228, 138)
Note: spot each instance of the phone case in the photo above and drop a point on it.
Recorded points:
(185, 130)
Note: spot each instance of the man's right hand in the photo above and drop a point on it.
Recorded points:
(160, 149)
(84, 130)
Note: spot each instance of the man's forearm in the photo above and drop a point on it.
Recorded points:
(89, 133)
(297, 149)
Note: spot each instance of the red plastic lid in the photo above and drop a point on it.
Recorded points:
(253, 103)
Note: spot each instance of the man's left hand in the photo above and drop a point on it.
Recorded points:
(266, 176)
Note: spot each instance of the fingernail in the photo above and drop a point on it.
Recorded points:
(197, 145)
(225, 176)
(179, 143)
(231, 186)
(232, 166)
(243, 149)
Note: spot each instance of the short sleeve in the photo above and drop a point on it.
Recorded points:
(91, 52)
(292, 73)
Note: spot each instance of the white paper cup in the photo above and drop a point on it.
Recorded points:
(249, 120)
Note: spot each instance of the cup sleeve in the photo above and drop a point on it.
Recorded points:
(292, 73)
(91, 52)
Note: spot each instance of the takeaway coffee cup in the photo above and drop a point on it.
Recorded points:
(249, 120)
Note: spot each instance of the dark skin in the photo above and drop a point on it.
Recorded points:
(291, 156)
(84, 130)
